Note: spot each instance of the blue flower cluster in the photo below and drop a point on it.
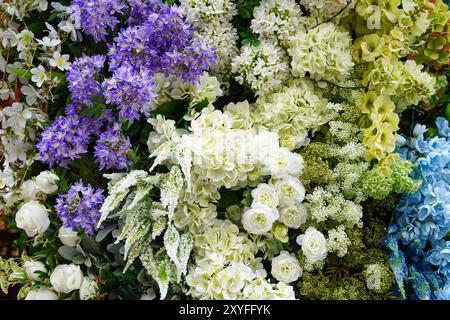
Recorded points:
(97, 16)
(80, 207)
(81, 79)
(65, 140)
(158, 39)
(112, 148)
(419, 253)
(161, 41)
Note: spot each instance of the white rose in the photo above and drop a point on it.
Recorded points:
(66, 278)
(33, 218)
(28, 190)
(47, 182)
(42, 293)
(286, 268)
(290, 191)
(68, 237)
(259, 219)
(294, 216)
(31, 267)
(265, 194)
(88, 289)
(314, 245)
(284, 162)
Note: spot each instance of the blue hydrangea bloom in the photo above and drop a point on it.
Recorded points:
(418, 252)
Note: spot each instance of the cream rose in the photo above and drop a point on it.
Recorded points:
(314, 245)
(290, 191)
(42, 293)
(294, 216)
(265, 194)
(66, 278)
(31, 267)
(286, 268)
(28, 190)
(68, 237)
(33, 218)
(47, 182)
(259, 219)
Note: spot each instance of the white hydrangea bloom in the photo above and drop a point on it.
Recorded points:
(277, 19)
(325, 52)
(230, 157)
(264, 68)
(292, 111)
(226, 267)
(240, 114)
(324, 9)
(162, 131)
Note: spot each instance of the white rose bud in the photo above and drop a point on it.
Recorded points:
(88, 289)
(31, 267)
(259, 219)
(290, 191)
(286, 268)
(47, 182)
(66, 278)
(265, 194)
(42, 293)
(33, 218)
(314, 245)
(293, 217)
(28, 190)
(68, 237)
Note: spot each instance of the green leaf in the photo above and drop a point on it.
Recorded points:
(203, 104)
(21, 73)
(53, 16)
(228, 198)
(246, 41)
(248, 199)
(95, 111)
(61, 76)
(37, 27)
(21, 240)
(256, 42)
(244, 13)
(174, 109)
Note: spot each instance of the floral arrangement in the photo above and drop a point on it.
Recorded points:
(247, 149)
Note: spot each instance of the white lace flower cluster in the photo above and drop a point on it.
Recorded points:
(276, 19)
(226, 267)
(212, 20)
(325, 52)
(263, 68)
